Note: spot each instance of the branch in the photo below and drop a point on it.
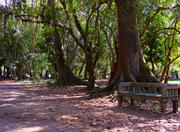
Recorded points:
(57, 25)
(35, 21)
(173, 29)
(77, 23)
(157, 11)
(26, 16)
(156, 32)
(75, 38)
(174, 59)
(97, 54)
(89, 17)
(96, 25)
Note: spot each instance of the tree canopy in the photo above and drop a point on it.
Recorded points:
(75, 40)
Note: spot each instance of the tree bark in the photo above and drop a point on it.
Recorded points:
(19, 71)
(167, 75)
(0, 71)
(64, 73)
(104, 72)
(130, 64)
(90, 71)
(32, 49)
(8, 72)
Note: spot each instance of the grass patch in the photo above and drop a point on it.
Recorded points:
(31, 81)
(174, 80)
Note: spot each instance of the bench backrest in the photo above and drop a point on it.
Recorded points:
(165, 90)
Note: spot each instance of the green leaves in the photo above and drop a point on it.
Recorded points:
(74, 3)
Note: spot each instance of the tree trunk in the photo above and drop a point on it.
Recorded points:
(130, 61)
(0, 71)
(90, 71)
(113, 71)
(64, 73)
(164, 71)
(32, 50)
(81, 69)
(167, 75)
(85, 73)
(104, 73)
(19, 71)
(8, 72)
(47, 74)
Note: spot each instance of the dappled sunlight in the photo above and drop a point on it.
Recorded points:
(16, 94)
(34, 109)
(69, 117)
(89, 65)
(7, 105)
(28, 129)
(174, 82)
(7, 99)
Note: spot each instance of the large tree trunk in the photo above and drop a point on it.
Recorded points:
(19, 71)
(90, 71)
(64, 73)
(130, 62)
(85, 73)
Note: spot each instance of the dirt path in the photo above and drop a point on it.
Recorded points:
(28, 108)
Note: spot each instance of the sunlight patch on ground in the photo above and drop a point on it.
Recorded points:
(69, 117)
(120, 129)
(5, 105)
(28, 129)
(174, 82)
(17, 93)
(31, 104)
(8, 99)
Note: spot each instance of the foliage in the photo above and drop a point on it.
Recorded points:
(26, 35)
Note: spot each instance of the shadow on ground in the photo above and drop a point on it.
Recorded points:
(32, 108)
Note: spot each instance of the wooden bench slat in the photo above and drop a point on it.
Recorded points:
(154, 91)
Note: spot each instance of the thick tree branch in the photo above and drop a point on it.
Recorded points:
(77, 23)
(157, 32)
(151, 19)
(174, 59)
(173, 29)
(75, 38)
(57, 25)
(29, 16)
(89, 17)
(98, 45)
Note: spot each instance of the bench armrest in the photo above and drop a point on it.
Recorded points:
(170, 90)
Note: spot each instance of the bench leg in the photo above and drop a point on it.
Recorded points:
(175, 106)
(163, 106)
(132, 102)
(120, 100)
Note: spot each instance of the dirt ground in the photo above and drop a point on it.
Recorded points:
(26, 107)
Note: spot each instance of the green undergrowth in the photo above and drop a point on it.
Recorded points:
(174, 80)
(47, 82)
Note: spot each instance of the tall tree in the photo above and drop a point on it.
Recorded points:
(130, 64)
(64, 73)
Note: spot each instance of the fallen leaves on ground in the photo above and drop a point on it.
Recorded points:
(69, 109)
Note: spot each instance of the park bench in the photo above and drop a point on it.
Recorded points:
(149, 91)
